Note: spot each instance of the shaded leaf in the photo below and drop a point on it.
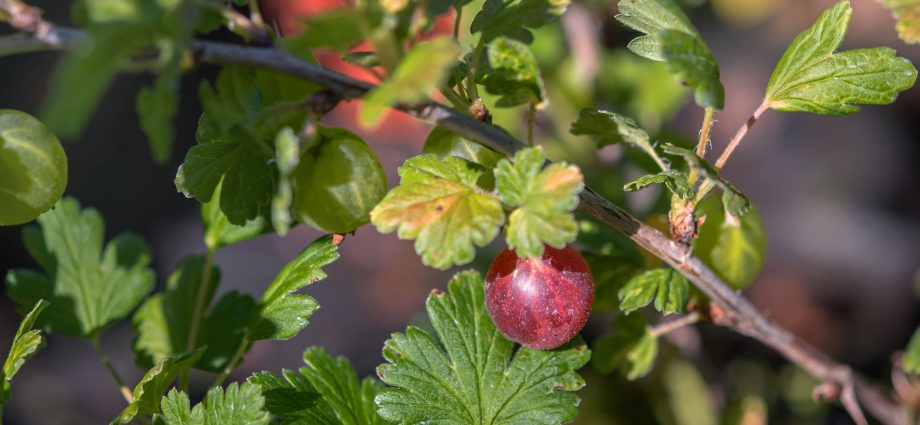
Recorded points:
(735, 248)
(153, 386)
(734, 202)
(674, 180)
(515, 18)
(629, 349)
(545, 199)
(438, 204)
(444, 143)
(667, 288)
(89, 288)
(690, 59)
(470, 374)
(611, 127)
(810, 77)
(511, 73)
(219, 232)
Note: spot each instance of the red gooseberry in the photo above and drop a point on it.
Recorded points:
(541, 302)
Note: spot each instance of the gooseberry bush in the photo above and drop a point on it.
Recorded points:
(500, 349)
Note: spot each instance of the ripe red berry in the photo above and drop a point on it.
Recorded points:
(540, 302)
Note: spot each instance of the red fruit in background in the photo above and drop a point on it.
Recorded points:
(540, 302)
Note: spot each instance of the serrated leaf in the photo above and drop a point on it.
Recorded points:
(629, 349)
(163, 323)
(515, 18)
(153, 386)
(734, 202)
(34, 172)
(911, 360)
(238, 405)
(469, 373)
(282, 313)
(438, 204)
(88, 288)
(651, 17)
(907, 12)
(690, 59)
(25, 343)
(511, 73)
(545, 199)
(326, 391)
(674, 180)
(734, 247)
(611, 127)
(667, 288)
(421, 72)
(810, 77)
(219, 232)
(444, 143)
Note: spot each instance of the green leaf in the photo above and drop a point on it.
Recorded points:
(911, 360)
(810, 77)
(444, 143)
(515, 18)
(690, 59)
(281, 313)
(338, 30)
(512, 74)
(33, 168)
(424, 69)
(25, 343)
(671, 37)
(163, 323)
(153, 386)
(89, 288)
(630, 349)
(470, 373)
(651, 17)
(611, 127)
(733, 247)
(545, 199)
(667, 288)
(218, 232)
(157, 105)
(734, 202)
(907, 12)
(287, 156)
(239, 405)
(438, 204)
(326, 391)
(674, 180)
(688, 395)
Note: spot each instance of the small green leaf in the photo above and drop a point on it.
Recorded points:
(287, 156)
(690, 59)
(630, 349)
(674, 180)
(153, 386)
(610, 128)
(157, 105)
(421, 72)
(545, 199)
(34, 171)
(438, 204)
(734, 202)
(911, 360)
(164, 321)
(511, 73)
(810, 77)
(688, 395)
(218, 232)
(734, 247)
(89, 288)
(26, 342)
(444, 143)
(470, 374)
(326, 391)
(667, 288)
(239, 405)
(515, 18)
(907, 12)
(671, 37)
(281, 313)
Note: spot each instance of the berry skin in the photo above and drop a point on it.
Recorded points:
(543, 302)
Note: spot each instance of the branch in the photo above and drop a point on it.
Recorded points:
(735, 311)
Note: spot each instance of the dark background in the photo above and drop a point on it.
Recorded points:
(838, 197)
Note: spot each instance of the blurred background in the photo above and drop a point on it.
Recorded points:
(837, 195)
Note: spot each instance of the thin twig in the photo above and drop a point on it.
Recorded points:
(703, 143)
(740, 135)
(673, 325)
(531, 121)
(190, 343)
(738, 313)
(104, 358)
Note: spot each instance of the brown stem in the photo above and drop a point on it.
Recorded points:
(737, 312)
(740, 135)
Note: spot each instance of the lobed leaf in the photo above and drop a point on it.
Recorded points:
(444, 143)
(674, 180)
(611, 127)
(734, 202)
(469, 374)
(544, 201)
(238, 405)
(153, 386)
(511, 73)
(438, 204)
(219, 232)
(281, 313)
(630, 348)
(515, 18)
(89, 288)
(667, 288)
(810, 77)
(424, 69)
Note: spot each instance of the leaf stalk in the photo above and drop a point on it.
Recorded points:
(104, 358)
